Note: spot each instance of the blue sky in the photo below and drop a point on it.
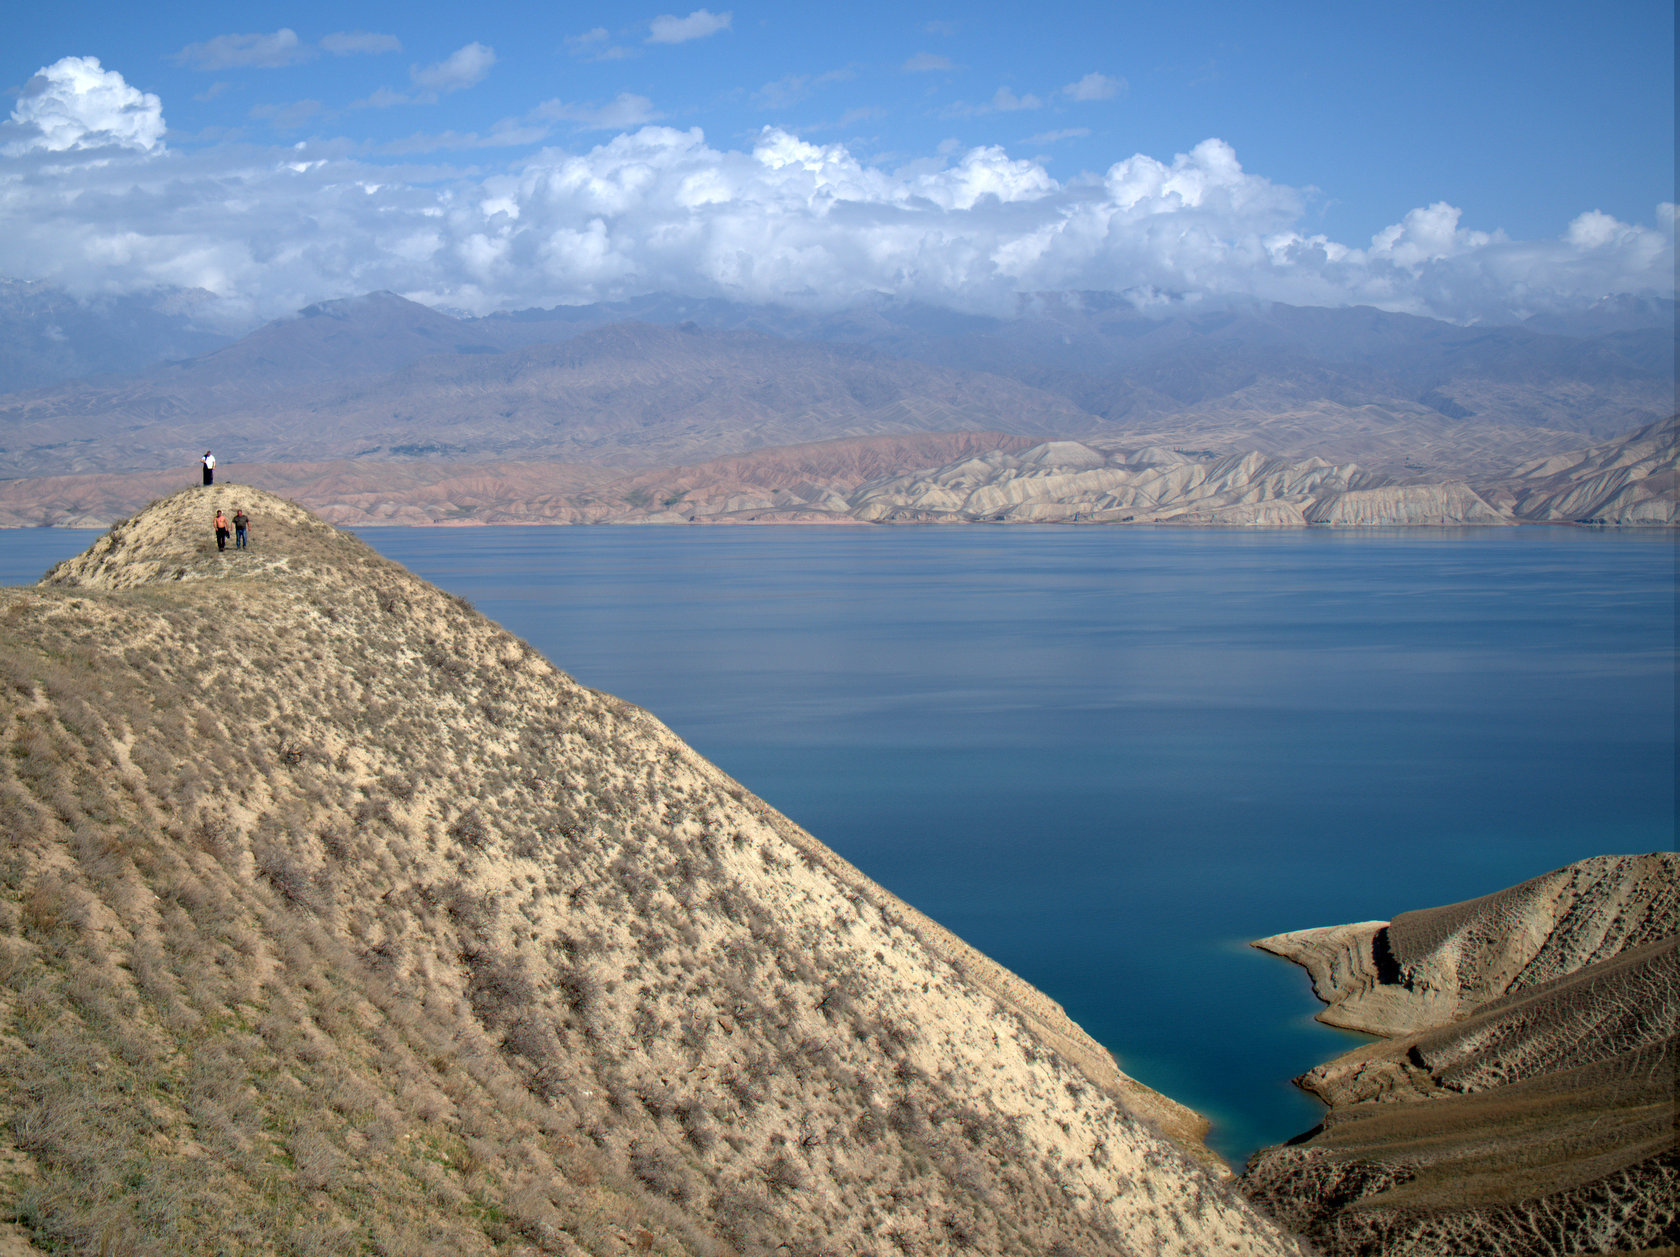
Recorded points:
(1471, 161)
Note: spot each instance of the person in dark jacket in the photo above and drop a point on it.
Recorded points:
(240, 520)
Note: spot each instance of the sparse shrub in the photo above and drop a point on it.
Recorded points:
(696, 1121)
(470, 830)
(907, 1118)
(695, 1031)
(659, 1170)
(334, 841)
(977, 1127)
(374, 812)
(530, 1037)
(210, 833)
(290, 879)
(399, 786)
(868, 1127)
(783, 1174)
(441, 661)
(581, 989)
(498, 988)
(319, 1162)
(647, 1026)
(746, 1089)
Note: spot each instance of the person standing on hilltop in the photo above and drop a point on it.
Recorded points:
(240, 520)
(221, 531)
(209, 461)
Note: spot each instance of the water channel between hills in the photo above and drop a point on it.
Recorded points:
(1110, 757)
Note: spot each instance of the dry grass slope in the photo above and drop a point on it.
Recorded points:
(335, 920)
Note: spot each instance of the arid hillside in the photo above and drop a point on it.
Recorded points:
(335, 920)
(929, 477)
(1522, 1102)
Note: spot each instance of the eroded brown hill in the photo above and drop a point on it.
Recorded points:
(929, 477)
(1523, 1102)
(333, 919)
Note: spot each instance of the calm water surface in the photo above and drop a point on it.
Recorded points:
(1111, 757)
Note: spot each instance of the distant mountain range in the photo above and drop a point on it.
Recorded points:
(664, 381)
(48, 337)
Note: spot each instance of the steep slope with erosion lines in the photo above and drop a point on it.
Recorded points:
(1630, 481)
(337, 920)
(1524, 1101)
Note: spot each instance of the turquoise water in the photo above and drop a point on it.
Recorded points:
(1110, 757)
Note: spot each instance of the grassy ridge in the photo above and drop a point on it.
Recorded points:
(336, 920)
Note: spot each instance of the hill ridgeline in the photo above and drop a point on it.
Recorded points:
(336, 920)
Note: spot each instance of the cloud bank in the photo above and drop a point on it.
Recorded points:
(91, 198)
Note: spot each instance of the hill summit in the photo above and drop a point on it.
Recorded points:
(335, 919)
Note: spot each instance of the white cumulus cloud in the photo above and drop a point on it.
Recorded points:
(75, 103)
(1006, 101)
(1056, 137)
(655, 208)
(597, 45)
(668, 29)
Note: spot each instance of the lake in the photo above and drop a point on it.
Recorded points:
(1109, 758)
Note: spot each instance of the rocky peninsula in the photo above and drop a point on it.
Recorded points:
(1522, 1098)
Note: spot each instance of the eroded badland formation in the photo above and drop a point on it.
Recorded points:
(335, 920)
(1522, 1097)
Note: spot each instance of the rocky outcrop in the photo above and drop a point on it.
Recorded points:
(1067, 482)
(1523, 1099)
(334, 919)
(1429, 967)
(1401, 505)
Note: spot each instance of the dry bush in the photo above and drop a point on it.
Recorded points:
(470, 829)
(499, 989)
(291, 879)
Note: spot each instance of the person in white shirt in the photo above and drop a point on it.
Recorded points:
(209, 461)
